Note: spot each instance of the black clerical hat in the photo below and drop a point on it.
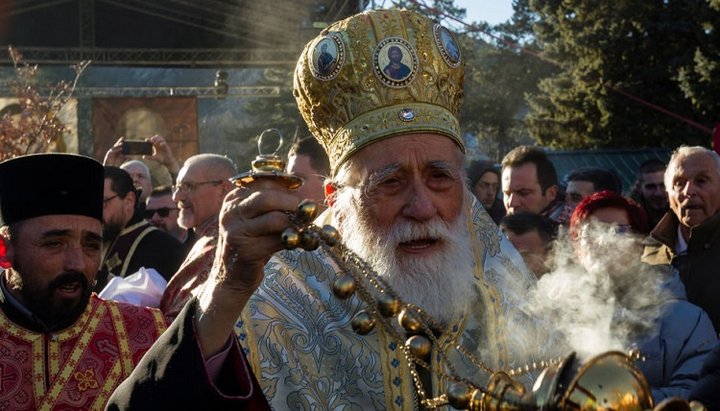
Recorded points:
(48, 184)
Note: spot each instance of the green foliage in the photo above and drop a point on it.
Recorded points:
(642, 48)
(497, 78)
(700, 80)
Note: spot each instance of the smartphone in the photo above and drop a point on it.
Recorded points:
(137, 147)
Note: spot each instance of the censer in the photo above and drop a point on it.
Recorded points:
(609, 381)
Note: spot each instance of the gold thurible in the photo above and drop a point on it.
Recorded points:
(267, 166)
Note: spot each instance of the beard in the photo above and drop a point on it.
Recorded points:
(442, 284)
(113, 227)
(111, 231)
(55, 313)
(186, 219)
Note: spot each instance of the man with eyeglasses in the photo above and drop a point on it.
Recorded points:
(131, 242)
(199, 191)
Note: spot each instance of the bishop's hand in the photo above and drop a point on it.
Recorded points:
(252, 220)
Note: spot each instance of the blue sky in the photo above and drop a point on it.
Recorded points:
(492, 11)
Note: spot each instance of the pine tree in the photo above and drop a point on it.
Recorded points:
(700, 81)
(604, 49)
(498, 75)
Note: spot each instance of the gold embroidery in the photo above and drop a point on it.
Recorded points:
(85, 379)
(358, 107)
(111, 381)
(72, 361)
(112, 262)
(122, 339)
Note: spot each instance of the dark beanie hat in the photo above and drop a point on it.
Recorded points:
(48, 184)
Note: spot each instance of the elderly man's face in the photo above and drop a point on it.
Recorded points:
(55, 259)
(694, 189)
(522, 192)
(199, 195)
(141, 179)
(413, 178)
(401, 210)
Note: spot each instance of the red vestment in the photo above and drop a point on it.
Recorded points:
(80, 366)
(193, 272)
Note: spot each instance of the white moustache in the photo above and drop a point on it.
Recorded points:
(407, 231)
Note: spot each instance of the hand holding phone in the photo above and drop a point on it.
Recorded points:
(130, 147)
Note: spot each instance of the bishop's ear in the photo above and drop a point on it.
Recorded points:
(330, 192)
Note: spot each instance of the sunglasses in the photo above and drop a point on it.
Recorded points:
(162, 212)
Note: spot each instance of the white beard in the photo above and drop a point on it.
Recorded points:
(441, 284)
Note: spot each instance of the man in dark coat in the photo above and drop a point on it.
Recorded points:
(688, 236)
(131, 242)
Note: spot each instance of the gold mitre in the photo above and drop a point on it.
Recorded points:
(379, 74)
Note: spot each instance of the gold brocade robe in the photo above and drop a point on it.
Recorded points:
(298, 338)
(79, 367)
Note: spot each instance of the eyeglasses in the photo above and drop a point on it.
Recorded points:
(107, 200)
(162, 212)
(188, 187)
(614, 229)
(623, 228)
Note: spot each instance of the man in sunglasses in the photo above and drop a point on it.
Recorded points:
(131, 242)
(162, 212)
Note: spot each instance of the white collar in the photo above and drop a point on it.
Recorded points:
(680, 245)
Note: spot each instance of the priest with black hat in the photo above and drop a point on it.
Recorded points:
(62, 346)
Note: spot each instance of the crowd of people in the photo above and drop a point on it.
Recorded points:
(236, 319)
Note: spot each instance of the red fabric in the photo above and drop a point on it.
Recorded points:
(716, 138)
(193, 272)
(79, 367)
